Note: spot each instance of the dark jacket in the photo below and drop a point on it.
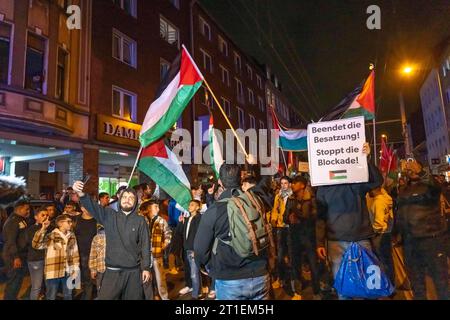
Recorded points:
(419, 212)
(34, 254)
(188, 244)
(342, 210)
(301, 214)
(128, 240)
(226, 264)
(14, 237)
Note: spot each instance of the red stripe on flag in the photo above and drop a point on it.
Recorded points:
(156, 149)
(367, 97)
(189, 74)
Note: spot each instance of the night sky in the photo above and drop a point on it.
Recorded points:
(321, 49)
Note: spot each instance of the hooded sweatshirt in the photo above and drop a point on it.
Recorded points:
(128, 240)
(381, 212)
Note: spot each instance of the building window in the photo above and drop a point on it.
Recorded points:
(5, 40)
(241, 118)
(249, 72)
(35, 72)
(175, 3)
(225, 75)
(169, 32)
(129, 6)
(207, 61)
(226, 106)
(239, 90)
(223, 46)
(259, 82)
(205, 29)
(261, 125)
(252, 122)
(163, 68)
(61, 75)
(237, 62)
(251, 97)
(124, 48)
(124, 104)
(260, 104)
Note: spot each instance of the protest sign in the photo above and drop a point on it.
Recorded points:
(335, 152)
(303, 167)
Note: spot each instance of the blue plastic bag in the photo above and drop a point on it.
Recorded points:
(360, 275)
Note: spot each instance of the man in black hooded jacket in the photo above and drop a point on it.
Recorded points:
(127, 246)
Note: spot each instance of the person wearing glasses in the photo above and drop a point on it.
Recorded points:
(62, 260)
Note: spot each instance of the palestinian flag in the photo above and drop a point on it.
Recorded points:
(159, 163)
(181, 82)
(338, 175)
(360, 102)
(215, 148)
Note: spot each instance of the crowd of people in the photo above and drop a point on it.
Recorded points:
(240, 238)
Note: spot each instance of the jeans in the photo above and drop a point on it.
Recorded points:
(160, 275)
(382, 246)
(299, 243)
(52, 286)
(36, 269)
(336, 249)
(14, 283)
(195, 275)
(98, 280)
(281, 236)
(86, 282)
(243, 289)
(427, 255)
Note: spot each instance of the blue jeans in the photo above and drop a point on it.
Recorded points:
(53, 286)
(243, 289)
(336, 250)
(36, 269)
(195, 274)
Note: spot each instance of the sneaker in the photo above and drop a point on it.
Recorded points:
(317, 297)
(296, 297)
(276, 284)
(212, 294)
(185, 290)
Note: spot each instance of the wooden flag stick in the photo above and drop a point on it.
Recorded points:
(134, 167)
(226, 118)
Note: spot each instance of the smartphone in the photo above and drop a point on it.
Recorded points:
(86, 178)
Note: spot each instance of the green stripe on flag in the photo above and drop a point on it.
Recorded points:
(177, 106)
(166, 180)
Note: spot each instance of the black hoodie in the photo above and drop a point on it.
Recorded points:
(128, 244)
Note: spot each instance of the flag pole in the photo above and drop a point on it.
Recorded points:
(226, 118)
(374, 142)
(284, 159)
(135, 165)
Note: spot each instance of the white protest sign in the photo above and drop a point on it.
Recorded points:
(335, 152)
(303, 167)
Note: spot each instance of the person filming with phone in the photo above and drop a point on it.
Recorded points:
(127, 259)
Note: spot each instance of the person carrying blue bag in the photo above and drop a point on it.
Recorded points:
(343, 217)
(360, 275)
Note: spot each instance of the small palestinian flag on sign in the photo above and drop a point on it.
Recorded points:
(338, 175)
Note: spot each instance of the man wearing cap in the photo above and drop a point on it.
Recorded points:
(127, 248)
(15, 248)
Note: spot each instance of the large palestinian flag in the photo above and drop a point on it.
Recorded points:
(360, 102)
(159, 163)
(182, 81)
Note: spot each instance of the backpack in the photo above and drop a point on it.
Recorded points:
(250, 233)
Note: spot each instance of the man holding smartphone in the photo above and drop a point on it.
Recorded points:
(127, 248)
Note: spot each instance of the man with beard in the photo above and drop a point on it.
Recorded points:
(423, 228)
(127, 246)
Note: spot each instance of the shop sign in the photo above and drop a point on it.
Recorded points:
(118, 131)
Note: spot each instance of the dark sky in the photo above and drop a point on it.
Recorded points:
(321, 49)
